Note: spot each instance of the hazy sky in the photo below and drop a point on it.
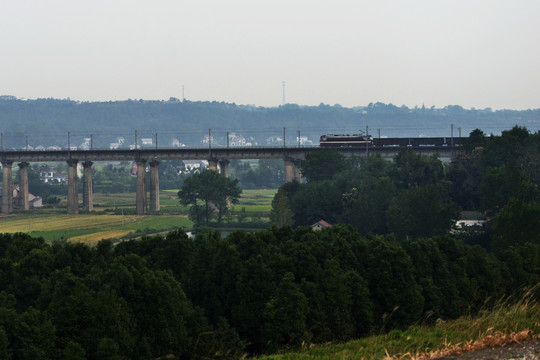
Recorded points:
(473, 53)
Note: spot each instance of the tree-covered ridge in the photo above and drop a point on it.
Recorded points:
(47, 121)
(248, 292)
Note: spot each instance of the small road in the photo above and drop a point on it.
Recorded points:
(528, 350)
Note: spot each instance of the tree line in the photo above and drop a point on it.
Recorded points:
(417, 196)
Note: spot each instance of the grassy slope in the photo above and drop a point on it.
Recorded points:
(504, 324)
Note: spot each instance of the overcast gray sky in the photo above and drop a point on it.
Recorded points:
(474, 53)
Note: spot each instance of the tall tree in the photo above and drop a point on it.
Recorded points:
(476, 139)
(209, 194)
(285, 314)
(323, 165)
(413, 170)
(421, 212)
(281, 214)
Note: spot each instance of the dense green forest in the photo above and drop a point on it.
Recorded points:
(389, 262)
(248, 292)
(46, 122)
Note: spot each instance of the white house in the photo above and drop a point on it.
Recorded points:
(303, 140)
(146, 141)
(48, 177)
(176, 143)
(207, 139)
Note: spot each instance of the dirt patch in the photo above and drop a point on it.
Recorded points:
(528, 350)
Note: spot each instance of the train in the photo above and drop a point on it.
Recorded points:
(356, 140)
(343, 140)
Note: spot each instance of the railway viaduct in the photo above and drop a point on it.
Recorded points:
(290, 155)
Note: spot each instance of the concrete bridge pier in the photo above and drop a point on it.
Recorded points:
(23, 186)
(73, 194)
(297, 172)
(289, 170)
(7, 194)
(154, 186)
(140, 205)
(88, 197)
(224, 165)
(292, 170)
(212, 164)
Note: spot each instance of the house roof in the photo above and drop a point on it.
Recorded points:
(472, 215)
(322, 223)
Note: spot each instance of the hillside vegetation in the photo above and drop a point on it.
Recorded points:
(510, 321)
(46, 122)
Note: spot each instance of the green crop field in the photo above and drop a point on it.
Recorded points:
(90, 228)
(254, 201)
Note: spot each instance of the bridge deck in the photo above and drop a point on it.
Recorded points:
(217, 153)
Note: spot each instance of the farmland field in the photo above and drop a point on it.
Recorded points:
(257, 201)
(55, 224)
(89, 228)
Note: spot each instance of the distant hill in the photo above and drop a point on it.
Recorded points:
(46, 122)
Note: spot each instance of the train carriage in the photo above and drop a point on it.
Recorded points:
(345, 140)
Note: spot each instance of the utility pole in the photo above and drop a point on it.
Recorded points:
(209, 142)
(367, 143)
(284, 133)
(156, 142)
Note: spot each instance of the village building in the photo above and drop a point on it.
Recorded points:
(147, 141)
(52, 178)
(175, 143)
(319, 225)
(33, 201)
